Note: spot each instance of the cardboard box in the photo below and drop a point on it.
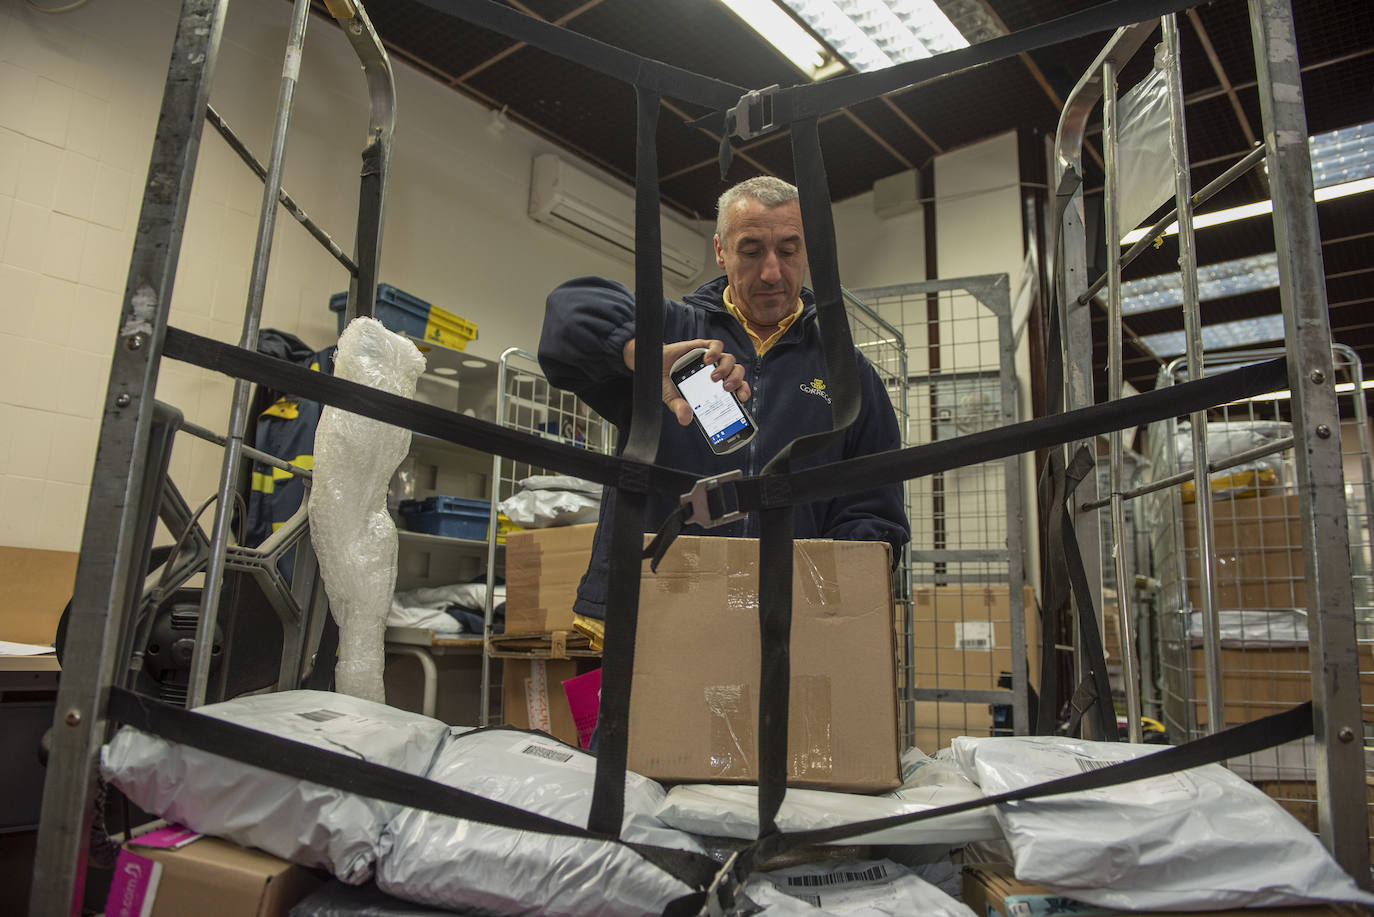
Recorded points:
(695, 699)
(938, 722)
(543, 568)
(1258, 549)
(962, 636)
(1299, 799)
(533, 698)
(991, 889)
(204, 876)
(1262, 681)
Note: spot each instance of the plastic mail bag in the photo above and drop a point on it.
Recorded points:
(303, 822)
(1201, 839)
(457, 864)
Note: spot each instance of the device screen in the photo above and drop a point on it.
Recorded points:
(720, 415)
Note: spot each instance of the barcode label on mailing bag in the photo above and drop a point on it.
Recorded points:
(548, 754)
(842, 877)
(973, 635)
(320, 716)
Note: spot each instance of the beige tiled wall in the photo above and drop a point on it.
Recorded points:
(79, 98)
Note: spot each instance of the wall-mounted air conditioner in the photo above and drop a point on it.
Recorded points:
(588, 209)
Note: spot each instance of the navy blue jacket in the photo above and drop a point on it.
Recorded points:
(587, 322)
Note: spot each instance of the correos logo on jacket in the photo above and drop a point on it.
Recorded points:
(816, 387)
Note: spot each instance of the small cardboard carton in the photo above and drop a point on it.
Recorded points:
(173, 871)
(695, 698)
(543, 568)
(533, 696)
(991, 890)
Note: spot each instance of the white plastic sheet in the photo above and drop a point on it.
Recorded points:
(1254, 627)
(303, 822)
(868, 888)
(447, 862)
(927, 783)
(1145, 167)
(352, 532)
(541, 509)
(1201, 839)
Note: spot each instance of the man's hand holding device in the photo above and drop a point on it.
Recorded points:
(719, 386)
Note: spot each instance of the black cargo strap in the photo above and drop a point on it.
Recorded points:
(342, 772)
(353, 775)
(821, 482)
(1064, 579)
(1269, 732)
(627, 519)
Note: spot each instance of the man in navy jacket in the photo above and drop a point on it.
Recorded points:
(759, 327)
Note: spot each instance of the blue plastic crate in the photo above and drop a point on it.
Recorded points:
(452, 517)
(406, 314)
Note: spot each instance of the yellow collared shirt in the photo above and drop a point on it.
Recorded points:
(761, 346)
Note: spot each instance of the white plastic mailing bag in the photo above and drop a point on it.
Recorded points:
(927, 783)
(871, 888)
(458, 864)
(303, 822)
(1201, 839)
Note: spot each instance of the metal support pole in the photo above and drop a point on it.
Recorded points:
(1192, 324)
(1112, 214)
(1316, 428)
(248, 340)
(108, 567)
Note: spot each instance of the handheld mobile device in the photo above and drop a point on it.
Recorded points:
(719, 415)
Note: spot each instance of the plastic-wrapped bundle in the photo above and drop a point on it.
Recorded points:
(869, 888)
(353, 534)
(1201, 839)
(435, 859)
(927, 783)
(303, 822)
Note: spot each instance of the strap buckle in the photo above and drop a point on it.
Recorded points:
(753, 114)
(708, 506)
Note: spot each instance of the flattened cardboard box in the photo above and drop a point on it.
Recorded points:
(991, 890)
(543, 568)
(695, 699)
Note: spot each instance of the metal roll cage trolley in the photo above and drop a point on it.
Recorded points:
(128, 490)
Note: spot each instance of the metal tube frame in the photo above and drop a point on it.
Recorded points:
(248, 340)
(1072, 282)
(101, 600)
(1334, 655)
(109, 581)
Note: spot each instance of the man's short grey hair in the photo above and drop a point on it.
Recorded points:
(769, 191)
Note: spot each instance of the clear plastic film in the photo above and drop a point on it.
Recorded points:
(1146, 167)
(1200, 839)
(352, 532)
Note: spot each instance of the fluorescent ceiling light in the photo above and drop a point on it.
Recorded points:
(866, 34)
(1342, 388)
(783, 32)
(1342, 164)
(1215, 281)
(1224, 335)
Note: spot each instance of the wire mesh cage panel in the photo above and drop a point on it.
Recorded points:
(525, 401)
(1262, 605)
(963, 649)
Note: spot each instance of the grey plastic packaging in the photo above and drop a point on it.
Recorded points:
(1200, 839)
(297, 820)
(438, 860)
(869, 888)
